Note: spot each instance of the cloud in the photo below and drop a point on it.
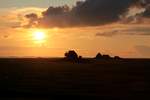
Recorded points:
(108, 34)
(147, 12)
(14, 17)
(33, 19)
(127, 30)
(87, 13)
(143, 50)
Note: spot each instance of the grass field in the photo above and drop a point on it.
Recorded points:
(38, 78)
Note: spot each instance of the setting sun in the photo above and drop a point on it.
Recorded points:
(39, 35)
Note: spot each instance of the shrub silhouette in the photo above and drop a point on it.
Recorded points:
(71, 56)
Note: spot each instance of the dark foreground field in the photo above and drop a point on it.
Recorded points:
(54, 78)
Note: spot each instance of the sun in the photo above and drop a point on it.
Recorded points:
(39, 35)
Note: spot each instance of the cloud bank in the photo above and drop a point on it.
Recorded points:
(90, 13)
(127, 30)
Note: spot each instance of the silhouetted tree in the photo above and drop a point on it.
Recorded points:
(80, 57)
(71, 56)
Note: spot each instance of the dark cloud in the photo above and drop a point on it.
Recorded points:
(147, 8)
(147, 12)
(85, 13)
(95, 12)
(33, 19)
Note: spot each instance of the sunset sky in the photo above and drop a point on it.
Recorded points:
(49, 28)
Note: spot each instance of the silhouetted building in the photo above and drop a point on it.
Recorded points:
(117, 57)
(106, 57)
(99, 56)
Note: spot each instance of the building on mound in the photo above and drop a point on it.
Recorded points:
(99, 56)
(117, 58)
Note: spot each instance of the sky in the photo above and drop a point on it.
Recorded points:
(35, 3)
(49, 28)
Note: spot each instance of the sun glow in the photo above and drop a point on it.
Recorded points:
(39, 35)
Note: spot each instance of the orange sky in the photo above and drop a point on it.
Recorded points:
(125, 40)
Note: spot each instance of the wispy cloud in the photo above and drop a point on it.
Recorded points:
(143, 50)
(130, 29)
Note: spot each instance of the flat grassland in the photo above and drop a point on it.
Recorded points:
(53, 78)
